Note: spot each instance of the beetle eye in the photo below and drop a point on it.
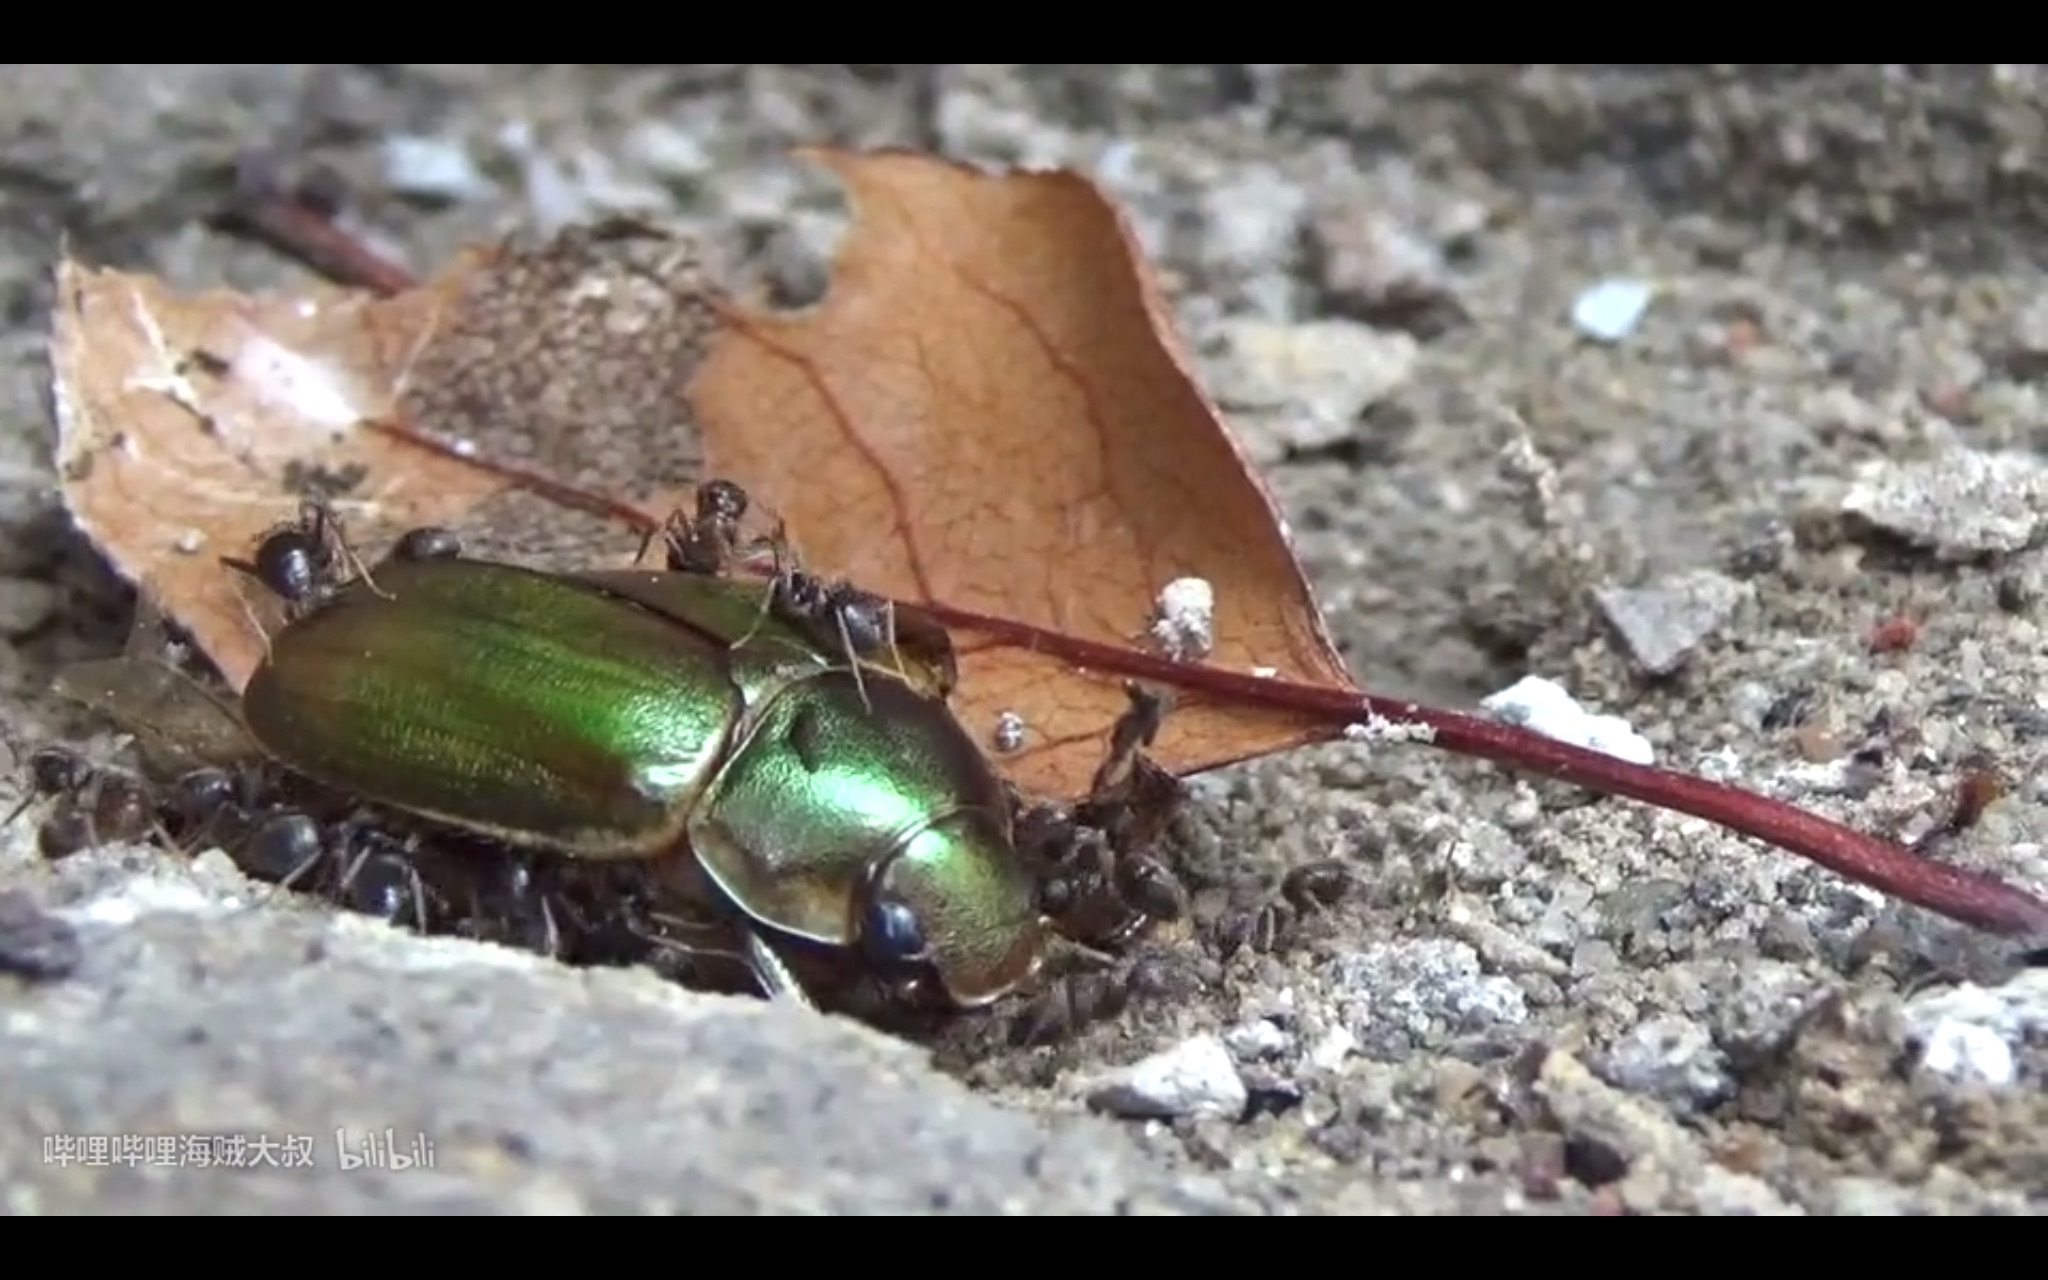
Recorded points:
(891, 935)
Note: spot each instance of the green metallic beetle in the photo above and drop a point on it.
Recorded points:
(675, 718)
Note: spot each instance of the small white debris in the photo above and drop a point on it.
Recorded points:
(433, 169)
(1335, 1045)
(318, 397)
(1610, 310)
(1009, 732)
(1194, 1078)
(669, 151)
(1257, 1039)
(1968, 1054)
(1377, 728)
(1673, 1060)
(1543, 706)
(189, 543)
(1265, 673)
(1971, 1034)
(1184, 619)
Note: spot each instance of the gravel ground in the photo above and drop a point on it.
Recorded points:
(1826, 419)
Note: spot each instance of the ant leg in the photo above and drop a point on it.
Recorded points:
(1275, 924)
(96, 804)
(1079, 986)
(853, 660)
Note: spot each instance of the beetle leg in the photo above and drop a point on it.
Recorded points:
(693, 939)
(772, 972)
(501, 900)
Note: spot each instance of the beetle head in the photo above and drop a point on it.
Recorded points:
(955, 903)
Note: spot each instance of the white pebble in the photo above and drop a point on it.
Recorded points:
(1194, 1078)
(1542, 706)
(1257, 1039)
(1328, 1053)
(1610, 310)
(1972, 1033)
(1968, 1052)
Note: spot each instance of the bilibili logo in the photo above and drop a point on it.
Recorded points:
(385, 1149)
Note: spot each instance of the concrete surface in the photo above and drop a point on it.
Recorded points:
(1535, 1003)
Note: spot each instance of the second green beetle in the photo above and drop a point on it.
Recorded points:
(659, 716)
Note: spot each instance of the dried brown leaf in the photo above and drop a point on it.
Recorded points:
(991, 411)
(188, 425)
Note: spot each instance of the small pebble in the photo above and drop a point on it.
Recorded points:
(1308, 386)
(25, 605)
(1967, 1053)
(669, 151)
(1610, 310)
(1970, 1033)
(1194, 1078)
(1961, 505)
(1400, 994)
(1542, 706)
(1673, 1060)
(433, 169)
(1374, 267)
(33, 943)
(1330, 1050)
(1663, 623)
(1253, 220)
(1257, 1039)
